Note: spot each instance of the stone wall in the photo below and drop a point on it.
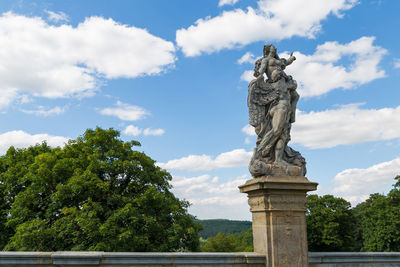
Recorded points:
(132, 259)
(354, 259)
(139, 259)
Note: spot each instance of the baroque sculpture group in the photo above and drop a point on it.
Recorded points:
(272, 109)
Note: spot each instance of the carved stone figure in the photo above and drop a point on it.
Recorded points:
(272, 110)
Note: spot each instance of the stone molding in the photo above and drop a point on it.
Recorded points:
(281, 183)
(354, 259)
(131, 259)
(121, 259)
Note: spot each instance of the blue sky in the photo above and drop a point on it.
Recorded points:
(174, 74)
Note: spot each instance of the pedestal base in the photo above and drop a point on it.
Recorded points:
(279, 223)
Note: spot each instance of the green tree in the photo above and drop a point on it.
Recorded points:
(330, 224)
(379, 218)
(244, 240)
(237, 242)
(221, 243)
(5, 231)
(95, 193)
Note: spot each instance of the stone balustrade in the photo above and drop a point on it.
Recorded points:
(131, 259)
(141, 259)
(354, 259)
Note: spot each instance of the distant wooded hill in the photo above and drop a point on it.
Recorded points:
(213, 227)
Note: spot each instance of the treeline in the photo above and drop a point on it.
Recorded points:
(332, 225)
(237, 242)
(215, 226)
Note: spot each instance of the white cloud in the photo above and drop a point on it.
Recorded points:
(349, 124)
(211, 199)
(42, 111)
(157, 132)
(396, 63)
(247, 58)
(355, 185)
(7, 96)
(136, 131)
(56, 16)
(132, 130)
(271, 20)
(21, 139)
(247, 76)
(227, 2)
(319, 73)
(126, 112)
(249, 130)
(50, 61)
(234, 158)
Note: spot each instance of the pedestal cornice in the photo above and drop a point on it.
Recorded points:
(272, 183)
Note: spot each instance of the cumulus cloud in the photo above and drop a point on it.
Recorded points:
(227, 2)
(7, 96)
(247, 58)
(56, 16)
(348, 124)
(355, 185)
(247, 76)
(132, 130)
(21, 139)
(249, 130)
(234, 158)
(45, 112)
(126, 112)
(319, 73)
(50, 61)
(271, 20)
(210, 197)
(136, 131)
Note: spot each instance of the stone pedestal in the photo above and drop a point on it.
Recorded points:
(278, 208)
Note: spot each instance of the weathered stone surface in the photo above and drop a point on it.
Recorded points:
(131, 259)
(272, 110)
(262, 168)
(122, 259)
(354, 259)
(278, 210)
(76, 258)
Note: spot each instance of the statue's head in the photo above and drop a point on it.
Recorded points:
(269, 50)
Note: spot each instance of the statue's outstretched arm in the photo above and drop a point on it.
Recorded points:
(290, 59)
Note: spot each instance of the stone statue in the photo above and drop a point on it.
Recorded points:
(272, 110)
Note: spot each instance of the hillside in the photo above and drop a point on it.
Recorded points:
(213, 227)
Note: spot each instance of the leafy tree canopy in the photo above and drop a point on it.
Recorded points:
(237, 242)
(95, 193)
(330, 224)
(379, 218)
